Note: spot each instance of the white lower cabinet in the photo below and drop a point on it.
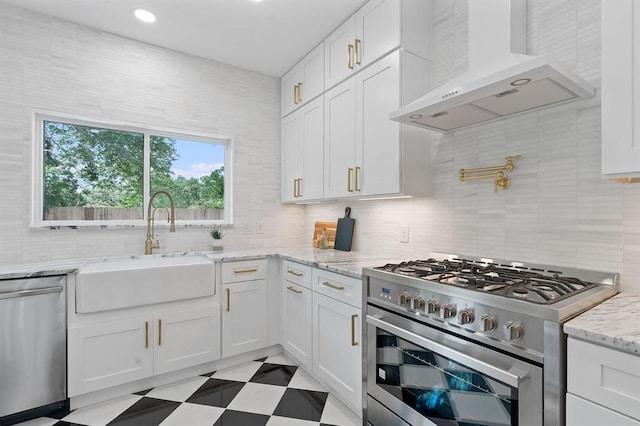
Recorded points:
(337, 353)
(297, 311)
(603, 385)
(186, 338)
(117, 352)
(581, 412)
(322, 328)
(244, 306)
(244, 317)
(298, 316)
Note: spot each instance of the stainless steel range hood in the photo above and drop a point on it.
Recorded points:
(500, 81)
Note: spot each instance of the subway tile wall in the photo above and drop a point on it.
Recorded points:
(51, 64)
(558, 210)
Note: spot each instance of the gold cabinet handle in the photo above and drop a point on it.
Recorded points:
(353, 330)
(357, 179)
(146, 334)
(299, 92)
(295, 274)
(349, 172)
(299, 187)
(358, 43)
(245, 271)
(228, 299)
(350, 56)
(159, 332)
(294, 290)
(335, 287)
(296, 188)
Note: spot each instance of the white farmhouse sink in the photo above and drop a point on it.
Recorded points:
(132, 282)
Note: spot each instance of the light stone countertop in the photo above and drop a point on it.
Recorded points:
(342, 262)
(614, 323)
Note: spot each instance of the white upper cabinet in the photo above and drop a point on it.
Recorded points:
(620, 93)
(374, 63)
(339, 52)
(302, 151)
(375, 30)
(366, 154)
(304, 81)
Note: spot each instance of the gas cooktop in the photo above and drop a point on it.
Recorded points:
(517, 281)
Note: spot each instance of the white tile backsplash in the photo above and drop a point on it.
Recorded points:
(558, 210)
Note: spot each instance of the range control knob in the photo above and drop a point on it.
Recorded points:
(448, 311)
(488, 322)
(432, 306)
(466, 316)
(513, 330)
(404, 298)
(417, 302)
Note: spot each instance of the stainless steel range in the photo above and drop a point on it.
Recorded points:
(467, 341)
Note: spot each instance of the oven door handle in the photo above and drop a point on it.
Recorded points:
(504, 376)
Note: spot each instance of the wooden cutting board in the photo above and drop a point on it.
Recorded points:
(344, 233)
(330, 230)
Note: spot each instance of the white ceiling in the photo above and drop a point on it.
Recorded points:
(268, 36)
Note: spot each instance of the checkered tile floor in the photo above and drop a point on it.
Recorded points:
(270, 391)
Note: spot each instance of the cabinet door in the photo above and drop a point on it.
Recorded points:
(377, 30)
(186, 338)
(288, 82)
(312, 70)
(297, 328)
(339, 142)
(92, 363)
(244, 317)
(311, 186)
(620, 93)
(339, 53)
(337, 353)
(292, 152)
(378, 138)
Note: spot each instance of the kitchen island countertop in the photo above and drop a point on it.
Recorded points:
(614, 323)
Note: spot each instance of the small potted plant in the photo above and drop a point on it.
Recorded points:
(217, 235)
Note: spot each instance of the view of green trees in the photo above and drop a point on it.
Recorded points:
(91, 167)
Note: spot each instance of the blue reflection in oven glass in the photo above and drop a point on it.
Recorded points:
(430, 400)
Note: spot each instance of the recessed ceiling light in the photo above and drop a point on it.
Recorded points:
(144, 15)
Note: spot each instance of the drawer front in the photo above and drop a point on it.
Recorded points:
(586, 413)
(339, 287)
(296, 273)
(245, 270)
(605, 376)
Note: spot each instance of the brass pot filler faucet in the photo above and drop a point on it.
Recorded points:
(149, 245)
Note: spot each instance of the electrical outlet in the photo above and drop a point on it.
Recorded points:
(404, 233)
(248, 229)
(259, 228)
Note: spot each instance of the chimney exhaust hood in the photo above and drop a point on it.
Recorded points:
(501, 81)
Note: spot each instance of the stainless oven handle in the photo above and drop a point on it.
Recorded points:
(482, 367)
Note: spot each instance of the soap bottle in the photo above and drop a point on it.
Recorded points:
(323, 240)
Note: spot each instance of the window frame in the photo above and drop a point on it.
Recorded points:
(37, 184)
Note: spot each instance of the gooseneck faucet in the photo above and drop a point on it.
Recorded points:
(149, 245)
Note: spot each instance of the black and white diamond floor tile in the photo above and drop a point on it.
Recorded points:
(271, 391)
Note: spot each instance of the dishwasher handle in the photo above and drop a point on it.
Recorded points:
(34, 292)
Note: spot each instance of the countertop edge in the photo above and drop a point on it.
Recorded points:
(608, 324)
(345, 263)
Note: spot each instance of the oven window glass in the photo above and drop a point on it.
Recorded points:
(442, 390)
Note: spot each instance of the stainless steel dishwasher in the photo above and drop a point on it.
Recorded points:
(32, 347)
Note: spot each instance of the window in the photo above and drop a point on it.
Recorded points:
(89, 173)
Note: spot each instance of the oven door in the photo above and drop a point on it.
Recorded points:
(426, 376)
